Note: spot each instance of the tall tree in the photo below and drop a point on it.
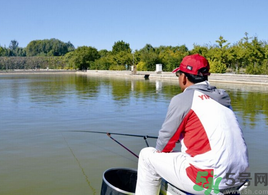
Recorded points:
(2, 51)
(255, 53)
(13, 45)
(48, 47)
(70, 46)
(221, 42)
(170, 57)
(121, 53)
(83, 56)
(202, 50)
(148, 58)
(121, 46)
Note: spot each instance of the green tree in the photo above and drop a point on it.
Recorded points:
(118, 58)
(104, 53)
(170, 57)
(216, 66)
(58, 48)
(255, 53)
(221, 42)
(70, 46)
(20, 51)
(2, 51)
(123, 58)
(217, 56)
(265, 61)
(48, 47)
(202, 50)
(83, 56)
(149, 56)
(13, 45)
(235, 57)
(141, 66)
(120, 46)
(68, 59)
(104, 63)
(221, 54)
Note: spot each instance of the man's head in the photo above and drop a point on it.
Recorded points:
(193, 69)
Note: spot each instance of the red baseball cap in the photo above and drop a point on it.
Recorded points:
(192, 64)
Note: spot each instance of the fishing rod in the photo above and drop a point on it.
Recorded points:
(109, 135)
(123, 134)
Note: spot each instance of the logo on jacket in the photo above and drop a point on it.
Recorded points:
(204, 97)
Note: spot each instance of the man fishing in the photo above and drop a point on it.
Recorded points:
(213, 151)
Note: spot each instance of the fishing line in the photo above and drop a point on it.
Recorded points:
(113, 152)
(80, 166)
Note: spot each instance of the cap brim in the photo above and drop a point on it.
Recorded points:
(176, 70)
(205, 74)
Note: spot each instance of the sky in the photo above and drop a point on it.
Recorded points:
(101, 23)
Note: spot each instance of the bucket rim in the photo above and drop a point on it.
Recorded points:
(113, 187)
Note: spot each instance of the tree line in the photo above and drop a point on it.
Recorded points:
(249, 55)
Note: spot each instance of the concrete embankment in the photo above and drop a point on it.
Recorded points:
(222, 78)
(219, 78)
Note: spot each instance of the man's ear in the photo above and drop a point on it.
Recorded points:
(184, 79)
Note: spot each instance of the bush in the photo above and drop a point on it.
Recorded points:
(141, 66)
(117, 67)
(217, 66)
(254, 69)
(265, 67)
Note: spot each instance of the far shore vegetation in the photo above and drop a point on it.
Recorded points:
(249, 55)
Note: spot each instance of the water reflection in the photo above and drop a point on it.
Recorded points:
(248, 101)
(158, 86)
(250, 105)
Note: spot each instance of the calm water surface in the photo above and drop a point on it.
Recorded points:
(40, 153)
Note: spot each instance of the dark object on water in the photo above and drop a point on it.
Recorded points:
(119, 181)
(146, 77)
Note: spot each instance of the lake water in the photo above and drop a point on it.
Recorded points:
(41, 154)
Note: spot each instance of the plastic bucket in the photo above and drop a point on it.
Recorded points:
(119, 181)
(122, 181)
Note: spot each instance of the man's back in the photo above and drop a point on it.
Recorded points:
(213, 140)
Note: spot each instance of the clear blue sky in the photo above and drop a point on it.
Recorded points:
(100, 23)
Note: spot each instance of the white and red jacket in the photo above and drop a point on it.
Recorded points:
(201, 118)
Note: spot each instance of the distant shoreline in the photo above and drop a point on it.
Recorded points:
(214, 77)
(36, 71)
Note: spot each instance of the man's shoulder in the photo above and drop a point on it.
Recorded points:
(183, 97)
